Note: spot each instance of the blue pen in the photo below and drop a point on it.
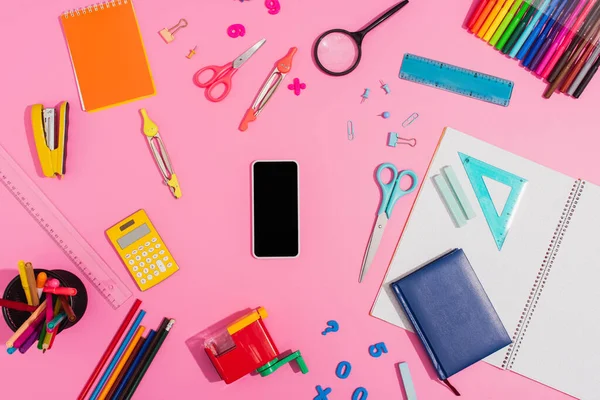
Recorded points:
(529, 28)
(134, 364)
(117, 356)
(536, 30)
(542, 37)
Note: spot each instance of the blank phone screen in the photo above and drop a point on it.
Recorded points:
(275, 208)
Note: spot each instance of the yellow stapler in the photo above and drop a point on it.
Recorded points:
(50, 134)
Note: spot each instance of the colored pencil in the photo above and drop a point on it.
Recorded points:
(584, 71)
(483, 16)
(128, 375)
(16, 305)
(516, 34)
(498, 20)
(588, 48)
(587, 79)
(510, 15)
(109, 349)
(122, 362)
(577, 28)
(39, 311)
(117, 356)
(64, 302)
(42, 336)
(529, 28)
(47, 340)
(153, 351)
(53, 335)
(491, 18)
(539, 40)
(125, 368)
(581, 47)
(551, 36)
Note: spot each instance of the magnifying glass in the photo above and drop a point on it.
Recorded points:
(337, 52)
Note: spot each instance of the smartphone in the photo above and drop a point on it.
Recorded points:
(275, 209)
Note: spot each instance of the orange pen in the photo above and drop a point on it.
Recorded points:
(483, 16)
(490, 19)
(478, 10)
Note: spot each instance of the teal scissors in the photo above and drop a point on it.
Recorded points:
(391, 192)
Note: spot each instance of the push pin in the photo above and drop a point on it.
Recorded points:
(365, 95)
(192, 52)
(394, 139)
(385, 87)
(386, 114)
(168, 34)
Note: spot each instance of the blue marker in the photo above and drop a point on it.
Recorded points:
(529, 28)
(538, 28)
(134, 364)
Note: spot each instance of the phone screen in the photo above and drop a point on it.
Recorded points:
(275, 209)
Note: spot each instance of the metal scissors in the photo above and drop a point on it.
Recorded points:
(391, 192)
(222, 75)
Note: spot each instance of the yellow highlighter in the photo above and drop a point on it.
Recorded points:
(24, 282)
(498, 20)
(490, 19)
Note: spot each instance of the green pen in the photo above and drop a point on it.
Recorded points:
(515, 28)
(507, 19)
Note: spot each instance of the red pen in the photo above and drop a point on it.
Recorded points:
(15, 305)
(476, 13)
(61, 291)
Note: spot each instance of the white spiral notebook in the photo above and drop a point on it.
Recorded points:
(543, 282)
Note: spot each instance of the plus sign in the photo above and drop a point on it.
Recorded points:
(322, 393)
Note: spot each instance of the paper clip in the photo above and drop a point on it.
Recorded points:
(350, 127)
(168, 34)
(410, 120)
(394, 139)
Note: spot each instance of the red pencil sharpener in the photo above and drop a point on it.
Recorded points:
(245, 346)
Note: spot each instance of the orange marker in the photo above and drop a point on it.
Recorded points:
(473, 18)
(483, 16)
(40, 282)
(490, 19)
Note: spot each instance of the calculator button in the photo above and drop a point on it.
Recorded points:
(139, 274)
(161, 266)
(150, 277)
(153, 240)
(143, 281)
(155, 256)
(127, 255)
(141, 248)
(135, 268)
(151, 249)
(138, 258)
(169, 265)
(156, 273)
(152, 266)
(131, 262)
(134, 252)
(144, 254)
(165, 258)
(161, 252)
(146, 270)
(157, 246)
(142, 264)
(148, 260)
(147, 244)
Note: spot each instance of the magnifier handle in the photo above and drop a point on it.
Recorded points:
(383, 17)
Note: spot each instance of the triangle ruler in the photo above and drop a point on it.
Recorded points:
(499, 223)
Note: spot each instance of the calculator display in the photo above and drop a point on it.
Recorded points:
(132, 236)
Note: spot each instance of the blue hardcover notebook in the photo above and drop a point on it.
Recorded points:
(451, 313)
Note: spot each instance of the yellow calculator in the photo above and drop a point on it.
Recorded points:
(142, 250)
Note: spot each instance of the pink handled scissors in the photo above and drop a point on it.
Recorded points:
(222, 75)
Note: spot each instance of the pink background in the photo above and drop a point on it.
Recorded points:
(112, 174)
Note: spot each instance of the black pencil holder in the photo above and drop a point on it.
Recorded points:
(14, 291)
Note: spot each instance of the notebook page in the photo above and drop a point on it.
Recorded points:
(560, 346)
(508, 275)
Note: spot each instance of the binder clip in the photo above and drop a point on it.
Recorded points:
(50, 136)
(168, 34)
(394, 139)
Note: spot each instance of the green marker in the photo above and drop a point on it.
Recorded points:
(509, 17)
(510, 35)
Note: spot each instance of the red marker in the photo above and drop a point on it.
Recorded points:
(476, 13)
(61, 291)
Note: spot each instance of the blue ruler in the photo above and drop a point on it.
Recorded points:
(456, 79)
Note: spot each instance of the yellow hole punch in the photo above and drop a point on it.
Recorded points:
(50, 136)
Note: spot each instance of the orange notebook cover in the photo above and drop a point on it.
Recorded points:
(108, 55)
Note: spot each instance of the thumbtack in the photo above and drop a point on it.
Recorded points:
(192, 52)
(386, 114)
(385, 87)
(168, 34)
(365, 95)
(394, 139)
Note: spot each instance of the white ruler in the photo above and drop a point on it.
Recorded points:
(81, 254)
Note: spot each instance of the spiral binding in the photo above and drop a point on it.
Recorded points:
(93, 7)
(543, 273)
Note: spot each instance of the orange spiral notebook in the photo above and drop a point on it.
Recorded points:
(108, 55)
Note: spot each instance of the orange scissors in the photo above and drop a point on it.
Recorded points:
(222, 75)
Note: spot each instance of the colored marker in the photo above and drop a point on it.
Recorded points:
(516, 34)
(587, 79)
(584, 71)
(490, 19)
(25, 282)
(510, 16)
(56, 321)
(529, 28)
(541, 38)
(40, 282)
(551, 37)
(483, 16)
(581, 61)
(499, 18)
(568, 33)
(63, 291)
(476, 13)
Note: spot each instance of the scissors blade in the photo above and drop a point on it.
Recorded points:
(248, 53)
(373, 245)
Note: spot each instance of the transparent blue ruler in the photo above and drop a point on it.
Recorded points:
(456, 79)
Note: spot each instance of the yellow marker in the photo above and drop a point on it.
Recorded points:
(498, 20)
(122, 361)
(490, 19)
(246, 320)
(24, 282)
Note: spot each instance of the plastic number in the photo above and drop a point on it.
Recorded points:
(377, 349)
(343, 370)
(360, 394)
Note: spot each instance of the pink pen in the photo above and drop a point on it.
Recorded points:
(61, 291)
(50, 284)
(562, 40)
